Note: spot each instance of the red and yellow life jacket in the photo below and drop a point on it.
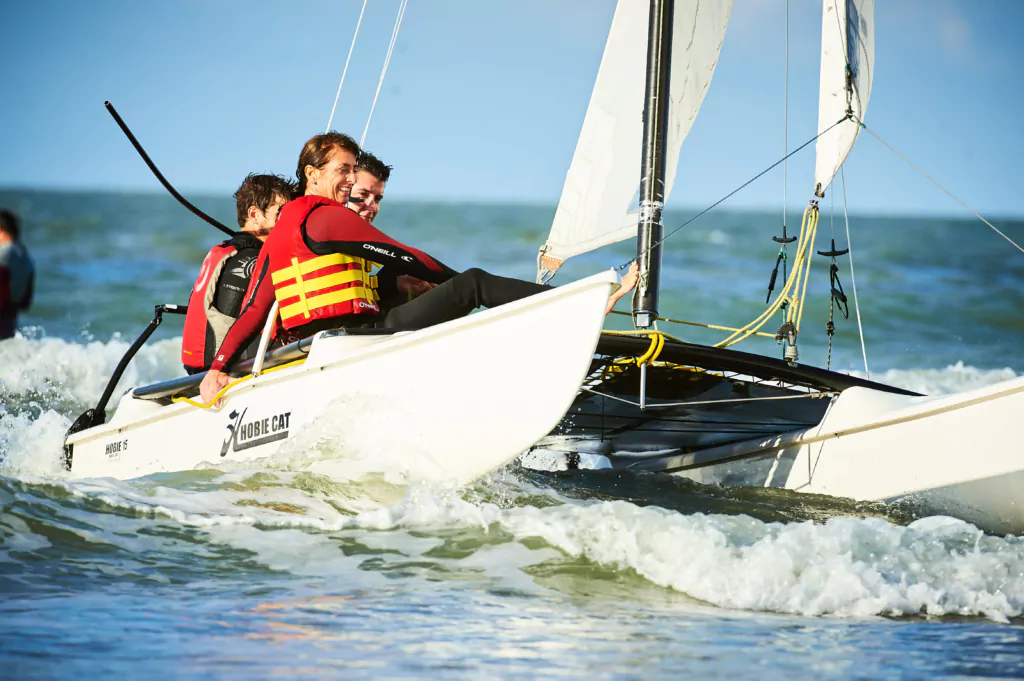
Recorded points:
(308, 286)
(205, 326)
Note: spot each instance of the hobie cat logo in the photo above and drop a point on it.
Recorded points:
(243, 434)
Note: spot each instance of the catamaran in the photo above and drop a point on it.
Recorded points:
(640, 400)
(717, 415)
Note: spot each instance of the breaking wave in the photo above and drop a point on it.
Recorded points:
(296, 512)
(296, 523)
(952, 379)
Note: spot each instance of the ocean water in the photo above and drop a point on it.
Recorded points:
(280, 568)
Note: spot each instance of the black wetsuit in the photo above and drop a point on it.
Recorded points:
(234, 278)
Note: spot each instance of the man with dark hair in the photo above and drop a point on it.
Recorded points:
(17, 274)
(368, 191)
(224, 277)
(318, 264)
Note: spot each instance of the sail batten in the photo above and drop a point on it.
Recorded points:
(598, 201)
(847, 67)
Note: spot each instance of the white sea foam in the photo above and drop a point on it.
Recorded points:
(56, 367)
(45, 382)
(32, 445)
(952, 379)
(845, 567)
(848, 567)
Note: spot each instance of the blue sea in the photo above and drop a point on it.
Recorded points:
(274, 571)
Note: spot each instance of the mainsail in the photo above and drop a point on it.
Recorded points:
(847, 64)
(604, 176)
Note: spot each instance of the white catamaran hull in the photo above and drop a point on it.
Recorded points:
(961, 455)
(437, 395)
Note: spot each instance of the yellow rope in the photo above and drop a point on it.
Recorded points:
(655, 348)
(792, 295)
(232, 384)
(801, 270)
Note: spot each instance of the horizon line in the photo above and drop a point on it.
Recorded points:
(517, 202)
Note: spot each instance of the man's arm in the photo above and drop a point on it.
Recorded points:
(258, 303)
(252, 317)
(335, 229)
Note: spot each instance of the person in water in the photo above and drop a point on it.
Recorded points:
(219, 289)
(17, 274)
(317, 264)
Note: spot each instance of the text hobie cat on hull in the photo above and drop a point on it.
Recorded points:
(436, 394)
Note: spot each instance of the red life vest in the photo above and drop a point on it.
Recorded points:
(205, 325)
(308, 286)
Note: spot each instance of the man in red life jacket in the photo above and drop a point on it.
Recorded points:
(224, 277)
(318, 265)
(17, 274)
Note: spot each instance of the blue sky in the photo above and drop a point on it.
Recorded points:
(483, 100)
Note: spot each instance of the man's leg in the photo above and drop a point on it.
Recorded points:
(459, 296)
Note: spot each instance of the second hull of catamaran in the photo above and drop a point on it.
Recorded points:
(960, 455)
(436, 394)
(731, 418)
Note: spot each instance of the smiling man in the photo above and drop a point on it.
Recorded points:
(368, 191)
(319, 265)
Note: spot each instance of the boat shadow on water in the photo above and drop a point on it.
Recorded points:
(685, 496)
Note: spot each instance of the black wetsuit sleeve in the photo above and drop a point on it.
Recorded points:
(387, 281)
(234, 282)
(251, 319)
(335, 229)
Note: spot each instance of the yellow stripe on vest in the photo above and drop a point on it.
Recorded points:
(315, 302)
(295, 271)
(318, 284)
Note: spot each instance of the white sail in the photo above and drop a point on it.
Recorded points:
(847, 37)
(604, 177)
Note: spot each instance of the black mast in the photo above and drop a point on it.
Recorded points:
(652, 173)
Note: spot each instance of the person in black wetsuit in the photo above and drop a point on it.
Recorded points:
(17, 274)
(318, 265)
(217, 295)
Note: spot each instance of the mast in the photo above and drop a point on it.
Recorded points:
(652, 172)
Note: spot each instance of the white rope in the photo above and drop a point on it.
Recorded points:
(688, 404)
(345, 70)
(387, 60)
(933, 181)
(853, 279)
(785, 127)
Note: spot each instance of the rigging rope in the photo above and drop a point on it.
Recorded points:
(714, 327)
(802, 396)
(345, 70)
(853, 279)
(933, 181)
(387, 60)
(785, 132)
(801, 270)
(734, 192)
